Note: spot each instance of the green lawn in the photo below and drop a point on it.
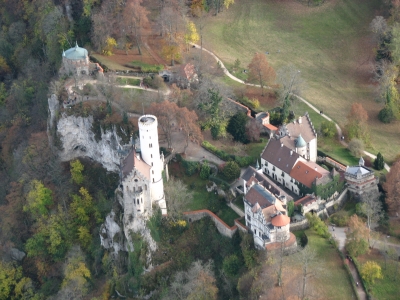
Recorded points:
(330, 45)
(203, 199)
(255, 149)
(330, 280)
(389, 286)
(128, 81)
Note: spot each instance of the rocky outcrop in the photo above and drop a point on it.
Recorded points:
(111, 234)
(79, 140)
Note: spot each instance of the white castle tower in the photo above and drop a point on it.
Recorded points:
(150, 150)
(141, 173)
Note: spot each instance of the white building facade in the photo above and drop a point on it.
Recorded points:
(266, 216)
(141, 173)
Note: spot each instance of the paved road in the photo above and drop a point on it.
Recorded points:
(339, 130)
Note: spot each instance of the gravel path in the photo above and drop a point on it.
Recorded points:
(339, 130)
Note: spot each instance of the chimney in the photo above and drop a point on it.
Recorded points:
(281, 145)
(316, 168)
(299, 120)
(291, 152)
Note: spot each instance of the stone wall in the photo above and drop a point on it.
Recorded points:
(222, 227)
(299, 225)
(339, 201)
(236, 209)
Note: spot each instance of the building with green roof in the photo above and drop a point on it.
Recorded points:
(76, 60)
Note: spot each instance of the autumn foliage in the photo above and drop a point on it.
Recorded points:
(392, 187)
(260, 71)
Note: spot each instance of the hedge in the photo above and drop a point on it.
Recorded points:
(242, 161)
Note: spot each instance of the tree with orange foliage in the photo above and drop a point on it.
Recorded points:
(392, 187)
(357, 126)
(261, 71)
(357, 236)
(135, 16)
(188, 121)
(166, 116)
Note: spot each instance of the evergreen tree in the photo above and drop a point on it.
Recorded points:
(237, 127)
(379, 163)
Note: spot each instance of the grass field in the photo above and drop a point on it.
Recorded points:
(330, 277)
(128, 81)
(330, 44)
(388, 287)
(327, 277)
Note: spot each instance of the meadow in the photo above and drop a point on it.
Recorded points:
(331, 45)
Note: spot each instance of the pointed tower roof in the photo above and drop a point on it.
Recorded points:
(300, 142)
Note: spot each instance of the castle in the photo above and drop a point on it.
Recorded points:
(141, 173)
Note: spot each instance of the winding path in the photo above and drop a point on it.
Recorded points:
(339, 130)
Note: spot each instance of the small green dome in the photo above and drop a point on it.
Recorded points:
(76, 53)
(300, 142)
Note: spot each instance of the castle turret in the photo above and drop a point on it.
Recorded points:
(149, 147)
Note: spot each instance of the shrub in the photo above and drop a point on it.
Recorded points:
(318, 225)
(190, 167)
(340, 218)
(231, 265)
(328, 129)
(231, 170)
(386, 115)
(156, 82)
(356, 147)
(147, 68)
(205, 171)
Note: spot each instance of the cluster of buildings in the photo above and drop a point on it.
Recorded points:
(289, 172)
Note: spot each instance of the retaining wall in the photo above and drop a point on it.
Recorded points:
(299, 225)
(236, 209)
(222, 227)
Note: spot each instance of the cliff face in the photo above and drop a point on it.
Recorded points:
(78, 140)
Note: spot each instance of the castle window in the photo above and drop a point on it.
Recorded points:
(152, 170)
(137, 201)
(153, 179)
(150, 145)
(145, 187)
(151, 164)
(151, 155)
(141, 199)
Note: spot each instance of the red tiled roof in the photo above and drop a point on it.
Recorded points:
(305, 174)
(271, 127)
(306, 200)
(280, 220)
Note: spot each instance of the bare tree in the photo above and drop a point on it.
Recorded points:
(188, 122)
(379, 26)
(291, 83)
(307, 256)
(177, 196)
(371, 207)
(196, 283)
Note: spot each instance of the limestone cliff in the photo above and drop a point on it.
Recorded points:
(78, 140)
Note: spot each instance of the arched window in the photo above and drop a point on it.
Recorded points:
(145, 187)
(141, 199)
(153, 179)
(137, 201)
